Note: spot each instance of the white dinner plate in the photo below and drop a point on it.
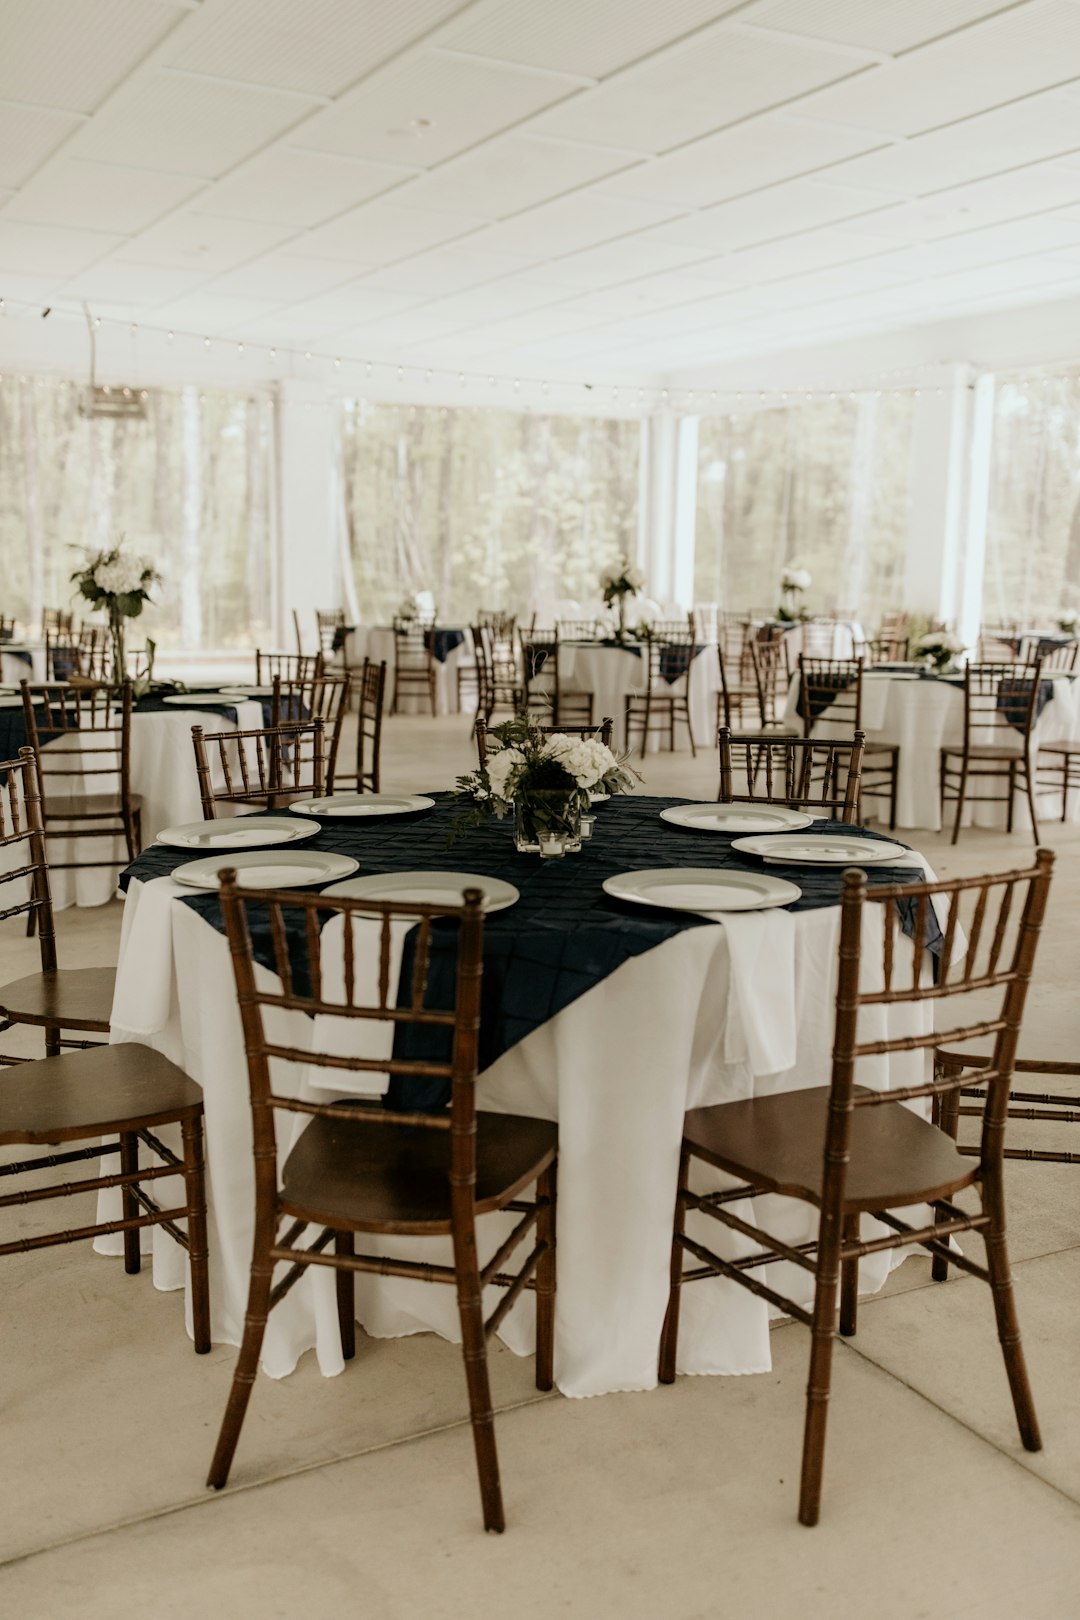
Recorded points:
(429, 888)
(822, 849)
(891, 675)
(702, 889)
(10, 702)
(196, 700)
(736, 818)
(239, 832)
(353, 805)
(247, 691)
(262, 869)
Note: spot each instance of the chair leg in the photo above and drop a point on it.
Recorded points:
(948, 1120)
(474, 1350)
(546, 1188)
(961, 792)
(1029, 788)
(52, 1041)
(129, 1163)
(894, 788)
(247, 1365)
(1008, 1325)
(669, 1337)
(345, 1281)
(1012, 799)
(820, 1380)
(195, 1192)
(849, 1282)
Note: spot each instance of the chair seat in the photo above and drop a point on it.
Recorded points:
(390, 1177)
(66, 998)
(778, 1143)
(870, 749)
(1006, 755)
(91, 1093)
(78, 805)
(1063, 745)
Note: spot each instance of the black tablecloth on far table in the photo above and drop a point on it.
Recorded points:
(563, 936)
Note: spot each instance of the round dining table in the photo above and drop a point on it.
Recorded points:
(610, 1017)
(612, 673)
(453, 652)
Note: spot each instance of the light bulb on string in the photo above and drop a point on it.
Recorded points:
(168, 337)
(400, 373)
(337, 362)
(427, 376)
(206, 345)
(307, 354)
(517, 385)
(367, 368)
(239, 348)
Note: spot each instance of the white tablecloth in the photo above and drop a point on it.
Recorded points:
(671, 1029)
(27, 664)
(377, 643)
(611, 674)
(924, 716)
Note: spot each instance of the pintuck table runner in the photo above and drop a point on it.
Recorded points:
(564, 935)
(13, 721)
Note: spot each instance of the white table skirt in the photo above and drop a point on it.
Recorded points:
(162, 775)
(377, 643)
(847, 636)
(611, 674)
(617, 1069)
(14, 669)
(921, 717)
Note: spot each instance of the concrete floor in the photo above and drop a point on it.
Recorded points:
(357, 1494)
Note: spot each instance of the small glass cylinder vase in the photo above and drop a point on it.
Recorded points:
(621, 631)
(548, 824)
(116, 647)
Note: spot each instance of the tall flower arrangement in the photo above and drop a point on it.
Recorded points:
(119, 583)
(793, 582)
(938, 650)
(619, 584)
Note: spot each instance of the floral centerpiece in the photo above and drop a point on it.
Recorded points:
(547, 781)
(619, 584)
(408, 609)
(1068, 624)
(793, 582)
(938, 649)
(118, 582)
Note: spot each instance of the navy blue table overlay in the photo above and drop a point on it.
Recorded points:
(564, 935)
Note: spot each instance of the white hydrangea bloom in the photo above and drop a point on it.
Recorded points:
(583, 758)
(500, 767)
(121, 576)
(796, 579)
(939, 638)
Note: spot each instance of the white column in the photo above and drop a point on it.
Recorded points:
(308, 570)
(685, 530)
(667, 506)
(937, 513)
(973, 563)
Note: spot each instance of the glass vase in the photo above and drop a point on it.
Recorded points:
(548, 824)
(116, 647)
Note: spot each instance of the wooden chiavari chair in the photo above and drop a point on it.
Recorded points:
(853, 1152)
(998, 643)
(1057, 766)
(668, 656)
(266, 767)
(819, 638)
(380, 1169)
(706, 616)
(772, 676)
(1000, 704)
(7, 628)
(271, 666)
(494, 690)
(53, 999)
(66, 658)
(322, 697)
(602, 734)
(371, 690)
(799, 772)
(1040, 1107)
(543, 691)
(330, 632)
(579, 629)
(65, 1098)
(831, 691)
(414, 662)
(81, 737)
(890, 647)
(56, 620)
(1050, 651)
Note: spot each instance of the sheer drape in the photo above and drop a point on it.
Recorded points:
(190, 486)
(823, 484)
(485, 507)
(1032, 569)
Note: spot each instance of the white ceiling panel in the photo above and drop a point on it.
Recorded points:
(321, 46)
(190, 125)
(1031, 48)
(611, 262)
(50, 250)
(571, 223)
(877, 25)
(210, 313)
(512, 296)
(71, 53)
(136, 286)
(379, 232)
(713, 81)
(428, 109)
(75, 191)
(1038, 127)
(796, 255)
(286, 186)
(975, 249)
(594, 37)
(217, 244)
(414, 327)
(797, 205)
(512, 173)
(284, 278)
(983, 202)
(350, 306)
(27, 136)
(735, 161)
(447, 270)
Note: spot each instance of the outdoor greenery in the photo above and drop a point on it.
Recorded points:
(1033, 526)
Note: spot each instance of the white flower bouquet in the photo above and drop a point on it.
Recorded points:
(545, 780)
(408, 609)
(938, 649)
(618, 586)
(118, 582)
(793, 582)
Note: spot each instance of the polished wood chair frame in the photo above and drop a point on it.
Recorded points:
(1050, 653)
(542, 686)
(1043, 1107)
(371, 690)
(127, 1091)
(602, 733)
(800, 772)
(664, 703)
(265, 767)
(834, 687)
(850, 1151)
(329, 626)
(318, 697)
(53, 999)
(360, 1167)
(414, 662)
(95, 720)
(994, 749)
(271, 666)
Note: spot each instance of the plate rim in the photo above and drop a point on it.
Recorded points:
(896, 850)
(670, 811)
(511, 899)
(423, 802)
(300, 837)
(210, 888)
(698, 911)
